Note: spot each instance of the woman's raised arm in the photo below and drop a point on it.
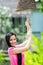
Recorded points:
(26, 44)
(27, 24)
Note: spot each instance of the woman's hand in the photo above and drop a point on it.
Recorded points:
(27, 23)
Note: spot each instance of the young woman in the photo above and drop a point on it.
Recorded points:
(16, 51)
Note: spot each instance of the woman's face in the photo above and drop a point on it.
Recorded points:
(12, 40)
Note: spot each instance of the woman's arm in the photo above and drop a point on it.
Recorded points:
(22, 49)
(28, 34)
(27, 39)
(26, 44)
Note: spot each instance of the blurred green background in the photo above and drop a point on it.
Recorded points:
(16, 25)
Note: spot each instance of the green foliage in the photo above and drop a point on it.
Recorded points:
(5, 23)
(41, 7)
(1, 57)
(4, 11)
(4, 59)
(35, 57)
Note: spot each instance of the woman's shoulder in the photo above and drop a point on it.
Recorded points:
(10, 49)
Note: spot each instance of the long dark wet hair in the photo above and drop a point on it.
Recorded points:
(7, 38)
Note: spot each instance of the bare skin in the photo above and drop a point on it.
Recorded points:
(23, 46)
